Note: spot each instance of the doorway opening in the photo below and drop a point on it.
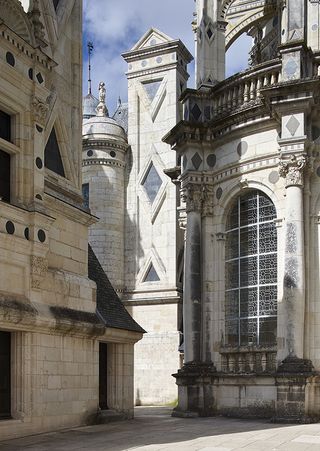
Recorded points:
(103, 376)
(5, 375)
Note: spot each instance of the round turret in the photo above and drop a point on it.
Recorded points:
(103, 160)
(103, 128)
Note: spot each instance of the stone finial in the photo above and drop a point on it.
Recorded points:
(38, 28)
(102, 110)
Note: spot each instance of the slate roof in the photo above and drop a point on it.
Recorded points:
(121, 116)
(109, 305)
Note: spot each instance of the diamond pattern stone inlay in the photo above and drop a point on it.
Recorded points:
(151, 88)
(195, 111)
(291, 67)
(209, 33)
(293, 125)
(152, 183)
(196, 160)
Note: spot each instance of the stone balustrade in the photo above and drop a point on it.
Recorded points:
(246, 361)
(239, 92)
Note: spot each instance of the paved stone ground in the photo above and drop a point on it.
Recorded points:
(154, 429)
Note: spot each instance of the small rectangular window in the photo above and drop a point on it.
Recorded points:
(5, 375)
(85, 195)
(4, 176)
(5, 126)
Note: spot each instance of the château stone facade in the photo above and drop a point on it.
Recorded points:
(244, 153)
(66, 340)
(137, 237)
(250, 188)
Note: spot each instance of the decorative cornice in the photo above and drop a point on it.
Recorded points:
(235, 170)
(23, 47)
(99, 144)
(103, 162)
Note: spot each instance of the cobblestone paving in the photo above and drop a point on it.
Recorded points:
(154, 429)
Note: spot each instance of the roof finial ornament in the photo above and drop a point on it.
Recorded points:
(90, 50)
(119, 101)
(34, 15)
(101, 108)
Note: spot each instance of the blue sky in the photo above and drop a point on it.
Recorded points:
(114, 26)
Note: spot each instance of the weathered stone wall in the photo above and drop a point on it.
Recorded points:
(156, 77)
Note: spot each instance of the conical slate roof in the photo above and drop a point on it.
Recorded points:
(89, 106)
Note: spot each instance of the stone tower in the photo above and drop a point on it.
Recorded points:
(104, 153)
(157, 75)
(250, 201)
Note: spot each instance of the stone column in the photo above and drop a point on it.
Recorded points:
(293, 371)
(294, 270)
(196, 390)
(192, 276)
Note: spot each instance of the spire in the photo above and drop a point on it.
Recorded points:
(90, 49)
(102, 110)
(210, 42)
(119, 101)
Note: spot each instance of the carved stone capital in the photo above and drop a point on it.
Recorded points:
(198, 198)
(292, 169)
(40, 110)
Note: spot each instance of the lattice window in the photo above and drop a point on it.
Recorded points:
(251, 272)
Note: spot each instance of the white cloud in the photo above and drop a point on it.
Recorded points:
(116, 25)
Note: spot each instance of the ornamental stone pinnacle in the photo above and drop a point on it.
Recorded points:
(102, 110)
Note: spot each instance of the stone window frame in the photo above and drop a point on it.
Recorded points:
(12, 148)
(21, 365)
(238, 289)
(154, 260)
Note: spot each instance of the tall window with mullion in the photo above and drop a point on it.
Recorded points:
(251, 272)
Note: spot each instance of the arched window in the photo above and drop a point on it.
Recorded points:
(251, 272)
